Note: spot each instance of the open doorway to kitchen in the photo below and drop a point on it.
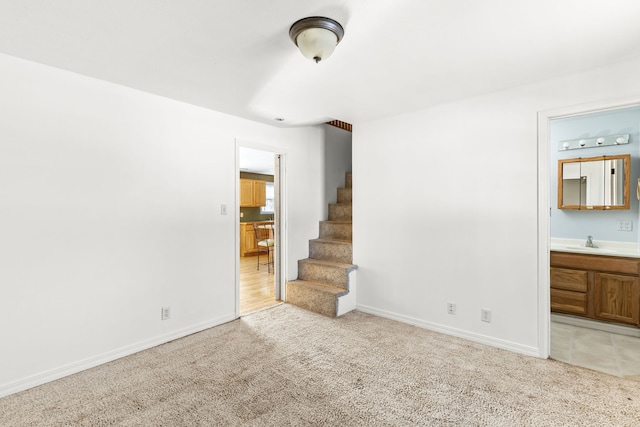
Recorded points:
(593, 310)
(260, 233)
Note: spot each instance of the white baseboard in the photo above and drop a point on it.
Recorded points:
(92, 362)
(471, 336)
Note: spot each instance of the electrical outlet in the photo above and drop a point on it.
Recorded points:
(624, 225)
(451, 308)
(166, 313)
(485, 315)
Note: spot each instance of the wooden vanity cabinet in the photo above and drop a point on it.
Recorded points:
(599, 287)
(617, 298)
(569, 291)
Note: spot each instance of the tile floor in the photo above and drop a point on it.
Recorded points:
(602, 351)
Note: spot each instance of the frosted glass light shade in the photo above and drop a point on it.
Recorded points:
(317, 43)
(316, 37)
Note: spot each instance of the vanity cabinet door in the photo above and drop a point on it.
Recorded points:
(617, 298)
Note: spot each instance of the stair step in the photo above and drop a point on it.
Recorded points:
(323, 271)
(331, 249)
(340, 211)
(338, 229)
(345, 194)
(313, 296)
(325, 278)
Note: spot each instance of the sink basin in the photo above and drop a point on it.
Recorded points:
(586, 249)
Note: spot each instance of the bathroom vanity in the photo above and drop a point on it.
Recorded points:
(599, 281)
(596, 283)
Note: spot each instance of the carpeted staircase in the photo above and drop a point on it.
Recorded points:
(326, 280)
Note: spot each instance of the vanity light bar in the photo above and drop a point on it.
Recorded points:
(600, 141)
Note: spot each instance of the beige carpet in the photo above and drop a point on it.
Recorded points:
(285, 366)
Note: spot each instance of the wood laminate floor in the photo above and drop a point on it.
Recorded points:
(256, 286)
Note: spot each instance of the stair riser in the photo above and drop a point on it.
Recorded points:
(331, 251)
(332, 275)
(312, 300)
(340, 211)
(344, 195)
(336, 230)
(323, 283)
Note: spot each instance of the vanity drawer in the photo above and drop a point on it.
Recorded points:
(596, 262)
(568, 301)
(570, 280)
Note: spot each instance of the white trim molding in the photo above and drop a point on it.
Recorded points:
(479, 338)
(92, 362)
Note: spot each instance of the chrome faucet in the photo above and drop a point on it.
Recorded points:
(589, 243)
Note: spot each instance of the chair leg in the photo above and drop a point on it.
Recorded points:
(258, 260)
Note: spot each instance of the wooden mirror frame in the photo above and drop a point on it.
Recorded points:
(627, 184)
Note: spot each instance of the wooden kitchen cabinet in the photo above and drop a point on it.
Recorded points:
(248, 244)
(259, 193)
(246, 192)
(599, 287)
(253, 193)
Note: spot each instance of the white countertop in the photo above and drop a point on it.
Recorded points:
(607, 248)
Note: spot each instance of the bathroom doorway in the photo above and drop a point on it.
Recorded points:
(575, 338)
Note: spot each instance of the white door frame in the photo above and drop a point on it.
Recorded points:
(279, 202)
(280, 219)
(544, 204)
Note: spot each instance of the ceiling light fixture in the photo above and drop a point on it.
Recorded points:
(316, 36)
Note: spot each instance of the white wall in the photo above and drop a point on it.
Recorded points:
(110, 209)
(337, 154)
(456, 216)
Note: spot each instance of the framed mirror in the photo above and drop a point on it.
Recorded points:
(594, 183)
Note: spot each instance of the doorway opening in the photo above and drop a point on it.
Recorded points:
(260, 214)
(576, 333)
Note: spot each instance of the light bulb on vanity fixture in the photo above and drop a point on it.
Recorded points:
(596, 141)
(316, 36)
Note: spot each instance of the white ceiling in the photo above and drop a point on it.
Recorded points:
(256, 161)
(235, 56)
